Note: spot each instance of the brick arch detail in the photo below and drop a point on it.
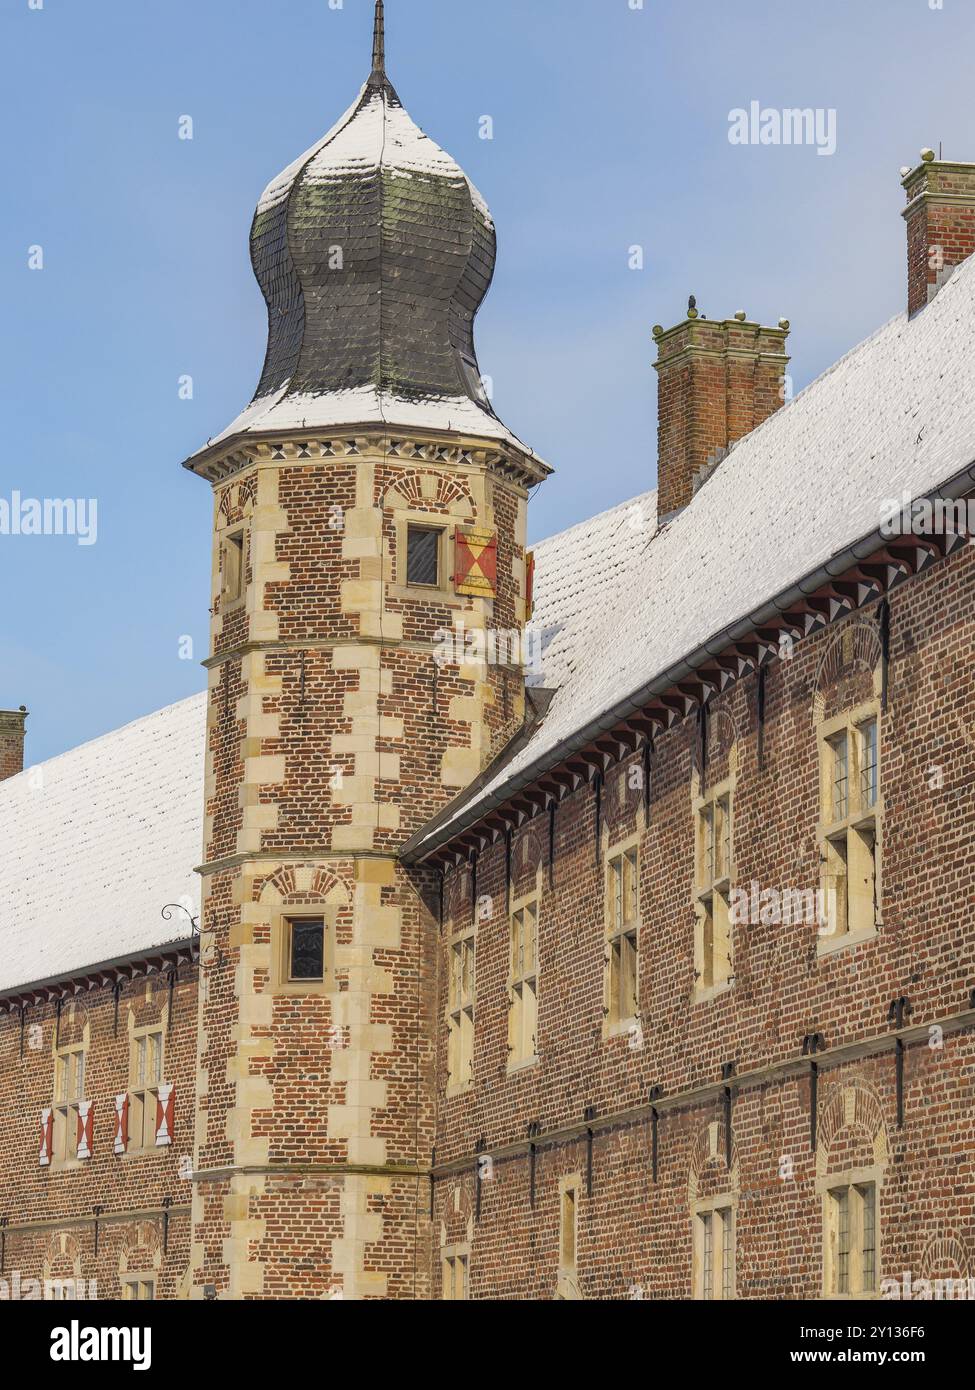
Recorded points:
(943, 1251)
(62, 1248)
(708, 1152)
(282, 886)
(852, 1104)
(408, 487)
(141, 1248)
(855, 646)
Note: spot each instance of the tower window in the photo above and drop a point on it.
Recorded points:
(423, 556)
(233, 567)
(306, 949)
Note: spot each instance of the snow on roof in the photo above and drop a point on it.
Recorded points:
(581, 572)
(895, 415)
(365, 405)
(96, 842)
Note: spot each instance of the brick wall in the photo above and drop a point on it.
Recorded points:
(635, 1234)
(50, 1211)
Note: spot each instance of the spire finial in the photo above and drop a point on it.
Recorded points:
(379, 41)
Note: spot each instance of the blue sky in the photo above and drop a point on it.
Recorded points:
(610, 130)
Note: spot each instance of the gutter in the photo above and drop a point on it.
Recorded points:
(132, 961)
(422, 845)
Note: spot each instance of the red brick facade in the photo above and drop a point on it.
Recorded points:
(141, 1199)
(634, 1231)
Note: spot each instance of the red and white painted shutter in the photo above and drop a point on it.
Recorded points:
(122, 1122)
(475, 562)
(47, 1135)
(165, 1107)
(86, 1127)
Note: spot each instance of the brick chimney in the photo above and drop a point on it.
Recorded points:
(940, 216)
(715, 382)
(12, 741)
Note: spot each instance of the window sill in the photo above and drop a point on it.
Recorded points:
(702, 995)
(156, 1151)
(416, 593)
(829, 945)
(523, 1064)
(234, 606)
(622, 1028)
(71, 1165)
(454, 1091)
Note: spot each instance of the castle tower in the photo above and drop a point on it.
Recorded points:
(367, 500)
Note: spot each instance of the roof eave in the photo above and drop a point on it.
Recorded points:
(417, 850)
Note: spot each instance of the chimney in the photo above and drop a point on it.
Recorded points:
(12, 741)
(715, 382)
(940, 216)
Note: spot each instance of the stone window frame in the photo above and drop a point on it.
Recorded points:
(135, 1035)
(427, 521)
(239, 531)
(616, 933)
(850, 1181)
(454, 1258)
(709, 886)
(64, 1137)
(725, 1206)
(568, 1277)
(519, 1060)
(281, 924)
(138, 1282)
(856, 820)
(459, 1006)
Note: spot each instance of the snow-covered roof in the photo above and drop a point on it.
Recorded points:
(96, 842)
(895, 416)
(579, 573)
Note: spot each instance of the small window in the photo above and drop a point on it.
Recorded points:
(423, 557)
(623, 938)
(568, 1276)
(306, 950)
(567, 1242)
(233, 567)
(714, 871)
(456, 1275)
(138, 1290)
(523, 986)
(716, 1254)
(69, 1090)
(851, 1234)
(460, 1013)
(850, 816)
(145, 1074)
